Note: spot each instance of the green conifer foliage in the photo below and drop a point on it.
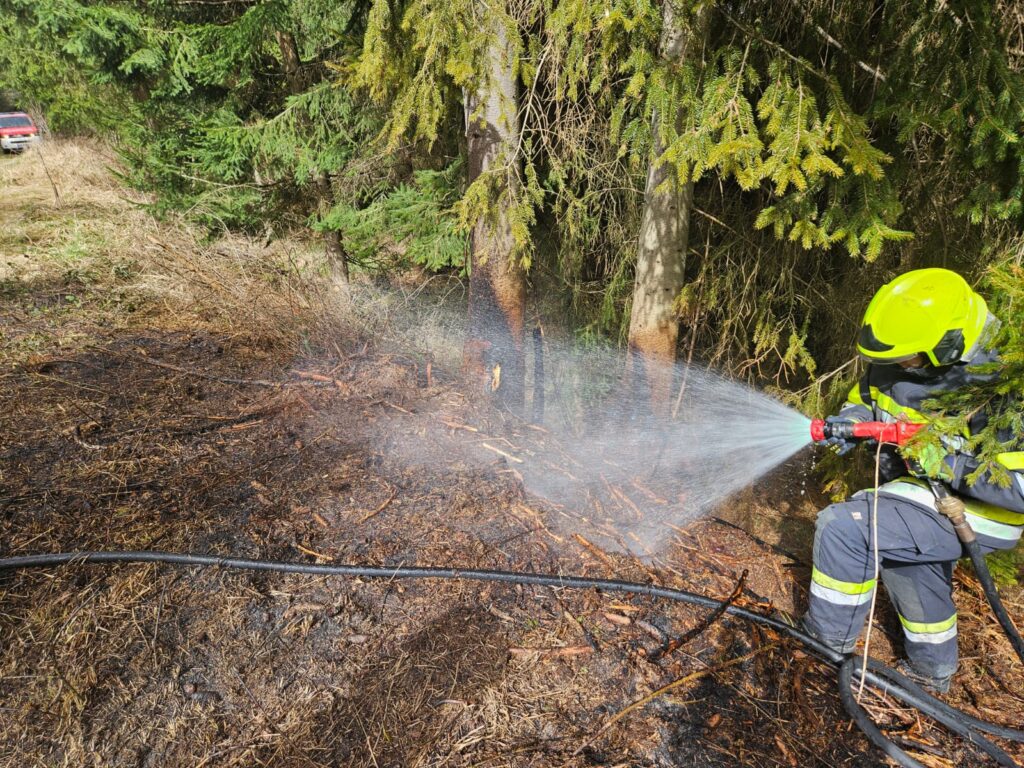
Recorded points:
(831, 144)
(59, 60)
(411, 224)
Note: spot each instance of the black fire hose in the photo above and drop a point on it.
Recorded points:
(879, 676)
(947, 716)
(914, 695)
(970, 543)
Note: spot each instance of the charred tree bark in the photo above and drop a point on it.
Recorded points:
(493, 351)
(538, 376)
(664, 236)
(292, 72)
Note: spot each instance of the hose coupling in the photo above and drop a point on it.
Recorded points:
(953, 508)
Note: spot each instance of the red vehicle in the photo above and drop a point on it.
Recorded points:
(17, 131)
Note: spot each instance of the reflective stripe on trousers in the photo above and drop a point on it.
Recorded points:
(841, 592)
(933, 633)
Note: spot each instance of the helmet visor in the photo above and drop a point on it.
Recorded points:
(874, 350)
(892, 360)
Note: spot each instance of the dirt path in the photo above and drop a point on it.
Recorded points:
(215, 415)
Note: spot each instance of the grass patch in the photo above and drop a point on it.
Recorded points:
(94, 260)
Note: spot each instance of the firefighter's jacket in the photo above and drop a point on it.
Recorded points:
(890, 393)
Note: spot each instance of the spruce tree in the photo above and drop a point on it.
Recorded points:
(665, 226)
(421, 58)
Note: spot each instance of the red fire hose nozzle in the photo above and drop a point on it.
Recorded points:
(897, 432)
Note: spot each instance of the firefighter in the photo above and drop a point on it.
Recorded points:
(922, 335)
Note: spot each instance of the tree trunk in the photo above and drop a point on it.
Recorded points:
(664, 238)
(336, 255)
(493, 351)
(290, 61)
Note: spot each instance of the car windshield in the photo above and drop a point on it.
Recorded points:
(15, 121)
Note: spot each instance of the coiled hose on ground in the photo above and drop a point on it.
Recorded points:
(878, 675)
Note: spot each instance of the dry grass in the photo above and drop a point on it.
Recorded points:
(94, 260)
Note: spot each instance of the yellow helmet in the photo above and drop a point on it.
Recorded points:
(929, 311)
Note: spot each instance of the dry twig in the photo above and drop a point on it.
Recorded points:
(381, 507)
(199, 374)
(500, 452)
(313, 553)
(594, 551)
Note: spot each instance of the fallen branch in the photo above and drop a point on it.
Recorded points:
(651, 495)
(592, 549)
(311, 375)
(314, 553)
(500, 452)
(315, 379)
(619, 494)
(652, 630)
(321, 378)
(670, 687)
(565, 472)
(382, 507)
(201, 374)
(455, 425)
(718, 566)
(676, 643)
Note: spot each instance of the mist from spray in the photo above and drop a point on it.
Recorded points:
(715, 438)
(605, 461)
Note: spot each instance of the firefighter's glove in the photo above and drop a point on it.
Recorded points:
(839, 445)
(931, 461)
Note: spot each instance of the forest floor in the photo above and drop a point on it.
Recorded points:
(161, 391)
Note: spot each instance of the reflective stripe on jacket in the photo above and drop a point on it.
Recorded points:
(985, 519)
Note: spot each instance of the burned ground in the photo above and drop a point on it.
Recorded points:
(188, 397)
